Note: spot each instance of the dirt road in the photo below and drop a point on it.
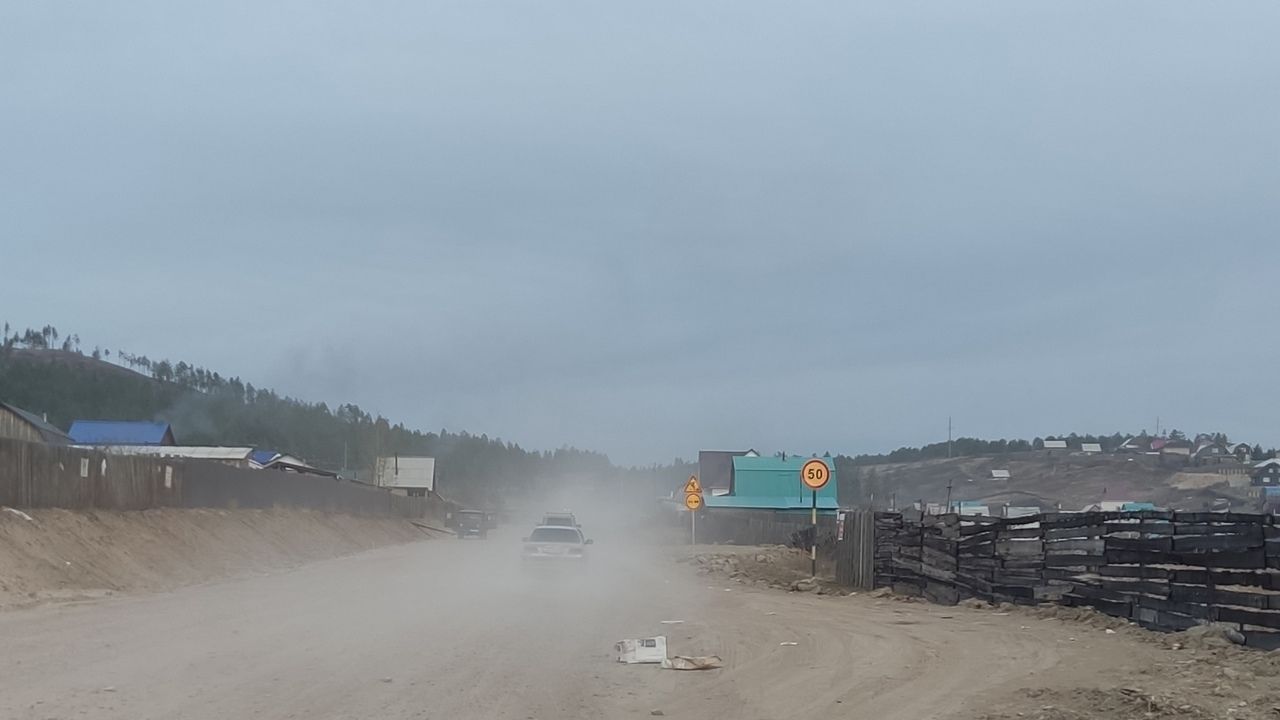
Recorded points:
(455, 629)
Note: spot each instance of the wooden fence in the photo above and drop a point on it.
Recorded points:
(1164, 570)
(34, 475)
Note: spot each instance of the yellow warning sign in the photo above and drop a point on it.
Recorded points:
(692, 487)
(693, 501)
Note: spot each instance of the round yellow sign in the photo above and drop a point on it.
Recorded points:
(815, 474)
(693, 501)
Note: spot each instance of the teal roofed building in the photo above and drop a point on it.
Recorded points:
(773, 483)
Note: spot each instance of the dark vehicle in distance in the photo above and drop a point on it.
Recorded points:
(563, 518)
(471, 523)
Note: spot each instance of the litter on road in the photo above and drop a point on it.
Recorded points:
(671, 622)
(642, 650)
(788, 644)
(702, 662)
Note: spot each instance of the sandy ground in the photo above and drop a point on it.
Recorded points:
(58, 555)
(458, 629)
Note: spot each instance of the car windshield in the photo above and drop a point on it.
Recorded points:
(557, 535)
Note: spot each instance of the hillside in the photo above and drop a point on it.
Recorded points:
(1039, 478)
(208, 409)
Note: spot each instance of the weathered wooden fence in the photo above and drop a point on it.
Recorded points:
(855, 548)
(1164, 570)
(33, 475)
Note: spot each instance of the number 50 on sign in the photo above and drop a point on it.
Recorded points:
(815, 474)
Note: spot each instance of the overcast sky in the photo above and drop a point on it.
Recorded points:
(652, 227)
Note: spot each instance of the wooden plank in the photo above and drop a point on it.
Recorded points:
(1091, 547)
(1151, 528)
(1073, 533)
(941, 594)
(1117, 608)
(1194, 610)
(1219, 517)
(940, 544)
(1164, 620)
(1249, 529)
(1262, 640)
(1201, 594)
(1071, 520)
(1261, 618)
(1162, 545)
(1052, 560)
(929, 556)
(1019, 548)
(1131, 557)
(1134, 571)
(1149, 587)
(1024, 533)
(1226, 559)
(1214, 543)
(1270, 581)
(1098, 593)
(1060, 574)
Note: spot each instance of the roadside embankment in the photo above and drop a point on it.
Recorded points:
(53, 555)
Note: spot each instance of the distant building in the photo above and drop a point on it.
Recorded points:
(234, 456)
(715, 469)
(121, 432)
(1000, 475)
(272, 460)
(20, 424)
(1091, 448)
(1213, 453)
(1242, 451)
(1266, 473)
(411, 475)
(773, 483)
(1055, 444)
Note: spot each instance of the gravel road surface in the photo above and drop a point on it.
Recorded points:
(459, 630)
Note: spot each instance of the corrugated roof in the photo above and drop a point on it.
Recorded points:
(1091, 447)
(1000, 474)
(1055, 444)
(184, 452)
(118, 432)
(48, 433)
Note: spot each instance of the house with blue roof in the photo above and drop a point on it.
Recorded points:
(121, 432)
(773, 483)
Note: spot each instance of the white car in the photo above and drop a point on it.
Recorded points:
(555, 543)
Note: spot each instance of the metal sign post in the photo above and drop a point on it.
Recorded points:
(815, 475)
(693, 501)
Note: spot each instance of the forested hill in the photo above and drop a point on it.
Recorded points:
(39, 374)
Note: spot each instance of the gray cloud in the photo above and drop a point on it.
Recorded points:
(652, 228)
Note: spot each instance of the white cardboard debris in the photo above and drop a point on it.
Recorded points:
(788, 644)
(671, 622)
(642, 650)
(704, 662)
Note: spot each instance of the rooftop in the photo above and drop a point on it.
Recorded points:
(121, 432)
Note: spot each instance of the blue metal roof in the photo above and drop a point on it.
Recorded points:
(118, 432)
(262, 457)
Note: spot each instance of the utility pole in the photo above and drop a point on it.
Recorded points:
(948, 508)
(948, 436)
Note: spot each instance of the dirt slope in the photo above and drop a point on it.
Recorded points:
(67, 555)
(1040, 478)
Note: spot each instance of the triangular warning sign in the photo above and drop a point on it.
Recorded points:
(692, 487)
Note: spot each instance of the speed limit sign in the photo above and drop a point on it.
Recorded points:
(815, 474)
